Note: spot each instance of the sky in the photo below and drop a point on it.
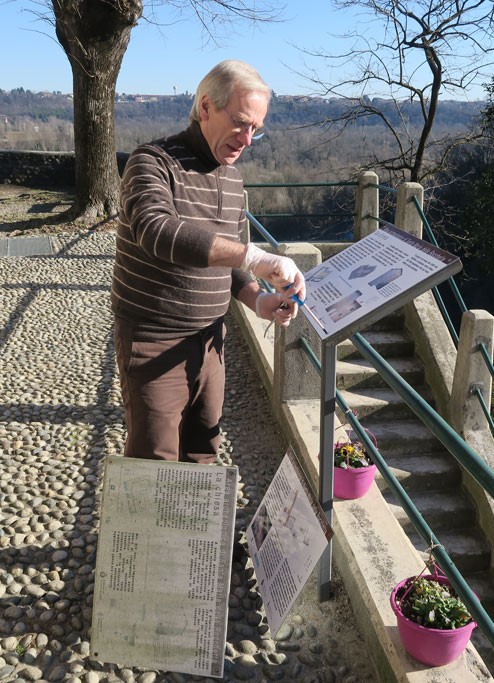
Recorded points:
(174, 57)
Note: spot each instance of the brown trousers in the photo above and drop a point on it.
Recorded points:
(173, 394)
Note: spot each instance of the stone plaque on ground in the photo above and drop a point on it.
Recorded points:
(163, 565)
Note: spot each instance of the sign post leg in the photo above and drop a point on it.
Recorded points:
(326, 462)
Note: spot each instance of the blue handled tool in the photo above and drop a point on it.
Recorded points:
(299, 301)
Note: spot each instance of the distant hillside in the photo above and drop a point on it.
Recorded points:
(284, 110)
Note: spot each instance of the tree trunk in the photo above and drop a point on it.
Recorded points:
(95, 35)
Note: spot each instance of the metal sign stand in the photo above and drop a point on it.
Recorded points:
(326, 461)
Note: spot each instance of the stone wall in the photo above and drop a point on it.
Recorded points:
(42, 169)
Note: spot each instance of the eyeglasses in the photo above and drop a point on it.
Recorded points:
(243, 127)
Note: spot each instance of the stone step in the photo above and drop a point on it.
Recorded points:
(379, 403)
(482, 584)
(393, 321)
(442, 510)
(424, 472)
(388, 343)
(467, 547)
(359, 373)
(402, 437)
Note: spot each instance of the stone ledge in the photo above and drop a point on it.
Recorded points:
(370, 548)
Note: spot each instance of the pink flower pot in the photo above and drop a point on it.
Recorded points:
(353, 482)
(432, 646)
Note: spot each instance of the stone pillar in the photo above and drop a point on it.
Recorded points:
(294, 375)
(366, 205)
(407, 217)
(471, 372)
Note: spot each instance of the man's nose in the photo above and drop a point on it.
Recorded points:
(246, 137)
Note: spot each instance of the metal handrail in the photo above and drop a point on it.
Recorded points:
(485, 409)
(386, 188)
(463, 309)
(333, 214)
(465, 455)
(437, 550)
(468, 458)
(267, 236)
(432, 238)
(348, 183)
(486, 357)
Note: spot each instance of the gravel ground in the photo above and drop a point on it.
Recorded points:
(60, 415)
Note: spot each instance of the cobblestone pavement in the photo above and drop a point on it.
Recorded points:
(60, 415)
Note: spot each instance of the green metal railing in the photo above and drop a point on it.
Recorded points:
(459, 299)
(430, 236)
(349, 183)
(329, 214)
(462, 452)
(442, 306)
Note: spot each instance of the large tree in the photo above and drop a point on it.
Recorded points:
(411, 54)
(94, 35)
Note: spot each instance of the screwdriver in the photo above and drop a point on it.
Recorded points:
(299, 301)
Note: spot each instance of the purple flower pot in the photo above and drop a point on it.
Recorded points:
(353, 482)
(430, 645)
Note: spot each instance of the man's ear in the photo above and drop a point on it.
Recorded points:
(204, 108)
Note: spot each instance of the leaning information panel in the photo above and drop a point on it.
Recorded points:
(286, 538)
(371, 278)
(163, 565)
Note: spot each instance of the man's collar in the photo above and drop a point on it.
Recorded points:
(197, 142)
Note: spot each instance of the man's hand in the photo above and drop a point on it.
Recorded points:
(276, 308)
(279, 271)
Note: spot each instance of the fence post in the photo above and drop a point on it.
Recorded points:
(245, 234)
(366, 205)
(471, 372)
(294, 376)
(406, 215)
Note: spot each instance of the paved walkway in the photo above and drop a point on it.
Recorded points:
(60, 415)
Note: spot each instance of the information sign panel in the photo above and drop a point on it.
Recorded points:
(163, 565)
(370, 279)
(286, 538)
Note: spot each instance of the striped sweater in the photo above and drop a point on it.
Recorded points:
(175, 198)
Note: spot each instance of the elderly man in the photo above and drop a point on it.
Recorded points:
(178, 262)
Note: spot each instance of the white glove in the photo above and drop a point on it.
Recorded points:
(274, 307)
(277, 270)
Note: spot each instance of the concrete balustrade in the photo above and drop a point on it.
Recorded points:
(471, 372)
(370, 548)
(406, 215)
(467, 416)
(366, 205)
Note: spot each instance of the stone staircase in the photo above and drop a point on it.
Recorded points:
(427, 471)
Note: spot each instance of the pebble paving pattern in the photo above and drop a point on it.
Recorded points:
(60, 415)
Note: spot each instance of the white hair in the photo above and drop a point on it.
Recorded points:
(220, 82)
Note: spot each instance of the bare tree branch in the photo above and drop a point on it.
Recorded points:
(420, 51)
